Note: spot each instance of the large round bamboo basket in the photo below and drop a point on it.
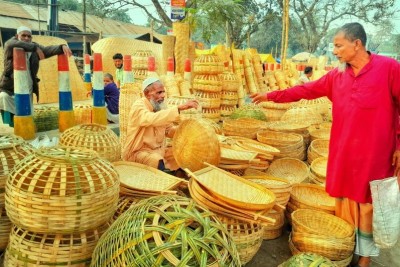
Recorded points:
(95, 137)
(245, 127)
(247, 236)
(294, 170)
(194, 143)
(62, 190)
(5, 228)
(230, 82)
(208, 64)
(166, 231)
(302, 114)
(27, 248)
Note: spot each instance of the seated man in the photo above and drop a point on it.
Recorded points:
(111, 95)
(306, 76)
(150, 122)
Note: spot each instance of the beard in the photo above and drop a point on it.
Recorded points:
(342, 67)
(119, 67)
(157, 106)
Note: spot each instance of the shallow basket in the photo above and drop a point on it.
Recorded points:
(311, 196)
(279, 139)
(27, 248)
(62, 190)
(95, 137)
(274, 230)
(245, 127)
(318, 169)
(318, 148)
(157, 231)
(294, 170)
(247, 236)
(321, 223)
(322, 133)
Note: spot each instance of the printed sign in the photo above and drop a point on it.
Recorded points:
(177, 13)
(178, 3)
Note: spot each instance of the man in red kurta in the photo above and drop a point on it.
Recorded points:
(150, 122)
(364, 146)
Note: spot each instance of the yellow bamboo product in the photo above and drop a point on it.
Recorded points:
(140, 75)
(249, 74)
(208, 83)
(213, 114)
(171, 86)
(185, 88)
(208, 99)
(140, 59)
(181, 32)
(208, 64)
(66, 120)
(230, 81)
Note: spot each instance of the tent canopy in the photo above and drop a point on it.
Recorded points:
(303, 56)
(267, 58)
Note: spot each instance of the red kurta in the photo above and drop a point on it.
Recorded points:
(365, 112)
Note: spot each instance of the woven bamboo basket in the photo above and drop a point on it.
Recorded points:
(5, 228)
(245, 127)
(229, 102)
(207, 83)
(234, 156)
(96, 137)
(144, 181)
(236, 169)
(62, 190)
(208, 64)
(320, 223)
(27, 248)
(294, 170)
(125, 203)
(171, 86)
(323, 133)
(279, 186)
(321, 105)
(248, 237)
(207, 99)
(309, 196)
(213, 114)
(272, 231)
(13, 149)
(181, 31)
(184, 114)
(279, 139)
(318, 169)
(318, 148)
(140, 59)
(252, 145)
(194, 143)
(290, 127)
(230, 82)
(236, 191)
(302, 114)
(156, 231)
(140, 75)
(340, 263)
(229, 95)
(226, 111)
(83, 114)
(45, 118)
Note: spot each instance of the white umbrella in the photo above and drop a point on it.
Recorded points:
(303, 56)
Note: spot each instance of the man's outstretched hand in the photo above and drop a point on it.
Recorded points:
(189, 104)
(259, 97)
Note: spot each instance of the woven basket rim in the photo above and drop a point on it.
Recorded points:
(316, 188)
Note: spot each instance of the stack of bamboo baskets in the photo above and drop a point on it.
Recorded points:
(140, 64)
(12, 150)
(60, 201)
(207, 85)
(229, 94)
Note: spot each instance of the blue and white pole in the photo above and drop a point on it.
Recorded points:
(23, 119)
(66, 118)
(87, 78)
(99, 107)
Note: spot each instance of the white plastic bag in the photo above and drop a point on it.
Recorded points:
(386, 211)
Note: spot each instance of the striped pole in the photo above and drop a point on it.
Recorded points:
(23, 119)
(66, 117)
(151, 67)
(87, 79)
(187, 75)
(99, 107)
(128, 74)
(170, 66)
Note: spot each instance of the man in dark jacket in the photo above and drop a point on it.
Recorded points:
(111, 94)
(34, 53)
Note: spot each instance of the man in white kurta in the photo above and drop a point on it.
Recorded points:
(149, 124)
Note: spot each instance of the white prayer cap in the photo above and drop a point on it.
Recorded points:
(149, 81)
(23, 29)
